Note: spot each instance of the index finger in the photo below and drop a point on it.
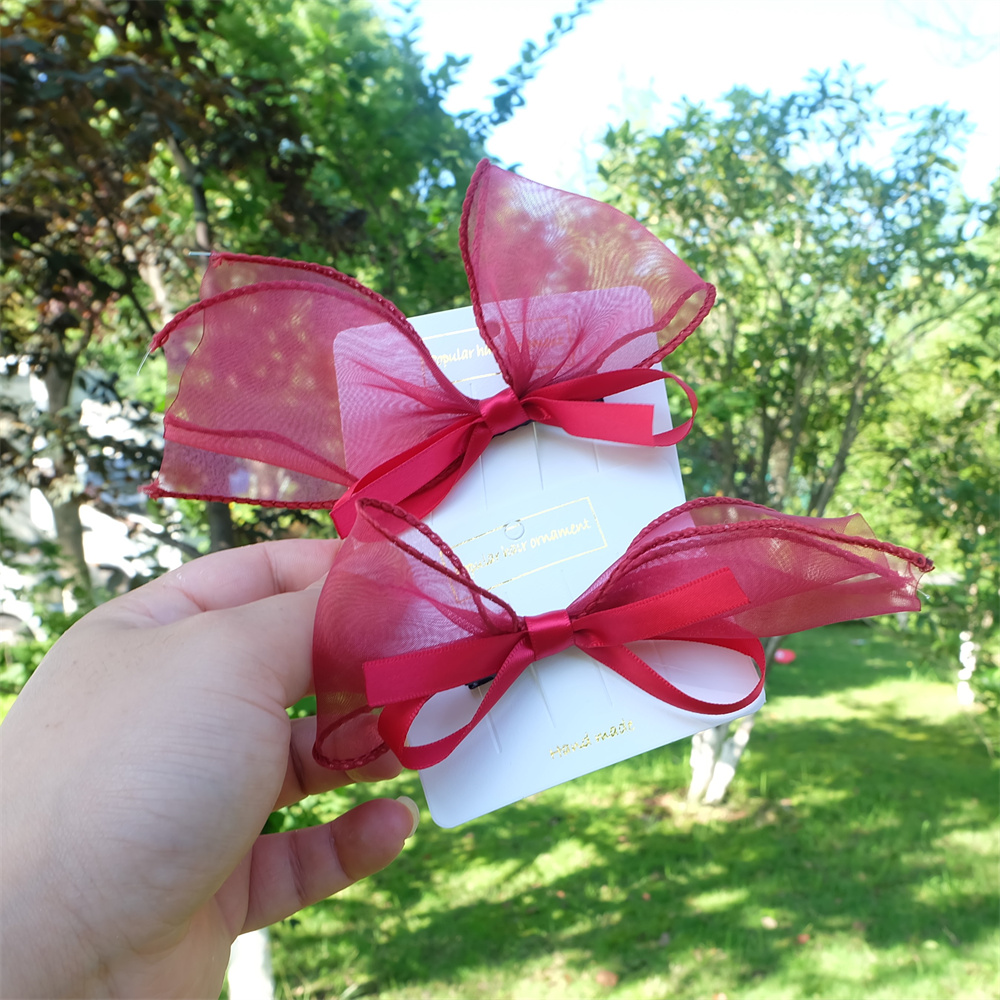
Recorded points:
(229, 579)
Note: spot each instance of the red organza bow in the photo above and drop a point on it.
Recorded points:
(400, 618)
(294, 385)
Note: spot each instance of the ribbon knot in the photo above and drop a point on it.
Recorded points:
(550, 633)
(503, 412)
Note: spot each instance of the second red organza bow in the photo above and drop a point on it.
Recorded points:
(400, 618)
(294, 385)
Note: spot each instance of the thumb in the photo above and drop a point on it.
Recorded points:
(295, 869)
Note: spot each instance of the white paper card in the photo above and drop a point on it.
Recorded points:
(536, 521)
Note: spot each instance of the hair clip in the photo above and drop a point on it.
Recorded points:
(295, 385)
(400, 619)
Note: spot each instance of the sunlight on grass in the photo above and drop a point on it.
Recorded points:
(856, 857)
(718, 900)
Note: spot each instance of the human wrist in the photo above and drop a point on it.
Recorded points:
(42, 954)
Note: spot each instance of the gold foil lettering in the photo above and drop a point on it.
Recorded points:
(462, 354)
(567, 748)
(491, 557)
(552, 536)
(548, 537)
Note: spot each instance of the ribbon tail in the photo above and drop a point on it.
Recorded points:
(425, 672)
(624, 423)
(396, 720)
(655, 617)
(440, 462)
(423, 501)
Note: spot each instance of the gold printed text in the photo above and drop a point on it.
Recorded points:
(566, 749)
(461, 354)
(557, 533)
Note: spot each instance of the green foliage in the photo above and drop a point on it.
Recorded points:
(828, 271)
(851, 360)
(135, 132)
(509, 96)
(986, 685)
(138, 131)
(43, 592)
(132, 130)
(936, 453)
(856, 857)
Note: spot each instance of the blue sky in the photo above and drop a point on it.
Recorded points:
(637, 58)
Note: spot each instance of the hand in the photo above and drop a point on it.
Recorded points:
(140, 763)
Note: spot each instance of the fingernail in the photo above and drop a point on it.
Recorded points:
(414, 813)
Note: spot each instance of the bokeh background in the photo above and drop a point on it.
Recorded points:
(832, 167)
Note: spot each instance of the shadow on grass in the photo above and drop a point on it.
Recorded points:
(863, 826)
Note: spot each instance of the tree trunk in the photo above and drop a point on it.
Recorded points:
(196, 183)
(715, 755)
(220, 527)
(62, 492)
(705, 747)
(727, 458)
(852, 427)
(968, 653)
(728, 760)
(69, 535)
(716, 752)
(220, 522)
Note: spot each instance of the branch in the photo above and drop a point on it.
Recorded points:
(924, 327)
(783, 302)
(852, 426)
(195, 181)
(88, 334)
(511, 96)
(129, 286)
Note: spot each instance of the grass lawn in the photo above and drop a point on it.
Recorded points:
(857, 857)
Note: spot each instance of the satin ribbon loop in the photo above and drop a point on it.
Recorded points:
(549, 633)
(503, 412)
(403, 684)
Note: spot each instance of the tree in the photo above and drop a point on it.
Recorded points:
(132, 118)
(937, 454)
(138, 131)
(831, 274)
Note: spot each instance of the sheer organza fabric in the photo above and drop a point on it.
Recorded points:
(291, 383)
(400, 619)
